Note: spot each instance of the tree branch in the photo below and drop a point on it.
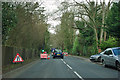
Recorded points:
(88, 2)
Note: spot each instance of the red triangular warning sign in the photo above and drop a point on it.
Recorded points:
(18, 58)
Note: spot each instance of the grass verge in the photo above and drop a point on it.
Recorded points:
(81, 56)
(13, 66)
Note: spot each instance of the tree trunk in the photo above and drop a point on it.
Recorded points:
(101, 36)
(107, 11)
(103, 21)
(96, 36)
(105, 34)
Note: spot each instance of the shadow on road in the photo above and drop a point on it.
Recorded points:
(57, 58)
(44, 59)
(111, 67)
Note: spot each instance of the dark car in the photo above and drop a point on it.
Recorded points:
(96, 57)
(52, 51)
(58, 53)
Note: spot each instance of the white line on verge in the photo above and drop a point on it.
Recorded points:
(68, 66)
(78, 75)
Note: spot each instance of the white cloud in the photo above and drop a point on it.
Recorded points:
(50, 5)
(54, 23)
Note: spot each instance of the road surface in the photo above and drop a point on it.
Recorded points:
(69, 67)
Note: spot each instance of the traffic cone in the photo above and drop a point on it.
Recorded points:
(48, 56)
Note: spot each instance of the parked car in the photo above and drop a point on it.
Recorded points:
(111, 57)
(58, 53)
(96, 57)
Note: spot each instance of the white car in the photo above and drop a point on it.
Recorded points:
(111, 57)
(96, 57)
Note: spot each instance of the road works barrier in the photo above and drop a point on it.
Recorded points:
(43, 56)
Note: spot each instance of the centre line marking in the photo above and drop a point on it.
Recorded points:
(62, 59)
(73, 71)
(78, 75)
(64, 62)
(68, 66)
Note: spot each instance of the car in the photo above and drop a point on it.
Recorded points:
(58, 53)
(96, 57)
(52, 53)
(111, 57)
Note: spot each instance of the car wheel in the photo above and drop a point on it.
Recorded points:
(103, 63)
(118, 66)
(91, 60)
(99, 59)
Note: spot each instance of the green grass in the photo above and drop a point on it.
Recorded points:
(13, 66)
(85, 56)
(88, 56)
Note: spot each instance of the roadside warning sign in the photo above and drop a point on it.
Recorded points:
(18, 58)
(43, 56)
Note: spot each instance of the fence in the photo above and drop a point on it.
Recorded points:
(8, 54)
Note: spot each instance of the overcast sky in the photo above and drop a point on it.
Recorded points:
(52, 5)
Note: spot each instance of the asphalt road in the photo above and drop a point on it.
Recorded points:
(69, 67)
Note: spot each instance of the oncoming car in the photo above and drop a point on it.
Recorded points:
(58, 53)
(111, 57)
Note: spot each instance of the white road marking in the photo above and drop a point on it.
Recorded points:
(68, 66)
(62, 59)
(64, 62)
(73, 71)
(78, 75)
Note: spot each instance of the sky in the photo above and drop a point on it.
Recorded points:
(51, 6)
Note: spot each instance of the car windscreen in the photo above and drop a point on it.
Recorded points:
(116, 51)
(57, 50)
